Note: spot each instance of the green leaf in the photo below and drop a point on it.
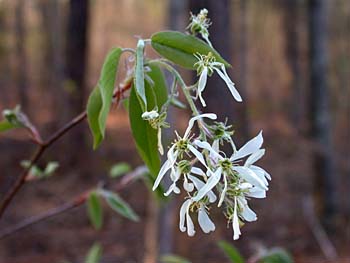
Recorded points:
(95, 210)
(100, 100)
(119, 205)
(231, 252)
(139, 82)
(144, 135)
(94, 255)
(173, 259)
(5, 126)
(119, 169)
(276, 255)
(50, 168)
(180, 48)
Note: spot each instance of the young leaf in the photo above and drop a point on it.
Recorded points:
(231, 252)
(94, 255)
(276, 255)
(119, 205)
(100, 100)
(119, 169)
(95, 210)
(5, 125)
(180, 48)
(173, 259)
(139, 79)
(144, 135)
(50, 168)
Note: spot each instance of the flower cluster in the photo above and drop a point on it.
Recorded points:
(208, 175)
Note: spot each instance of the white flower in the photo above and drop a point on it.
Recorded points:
(206, 65)
(235, 223)
(200, 24)
(150, 115)
(248, 172)
(181, 145)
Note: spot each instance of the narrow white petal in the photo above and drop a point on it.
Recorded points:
(199, 184)
(211, 183)
(256, 193)
(267, 175)
(204, 221)
(201, 85)
(166, 166)
(254, 157)
(250, 147)
(235, 223)
(207, 146)
(190, 226)
(170, 189)
(183, 210)
(247, 213)
(260, 173)
(160, 145)
(198, 155)
(192, 120)
(197, 171)
(248, 175)
(223, 193)
(187, 186)
(229, 83)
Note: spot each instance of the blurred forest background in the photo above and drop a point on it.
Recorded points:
(291, 63)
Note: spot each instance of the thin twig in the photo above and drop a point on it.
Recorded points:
(320, 234)
(43, 145)
(75, 202)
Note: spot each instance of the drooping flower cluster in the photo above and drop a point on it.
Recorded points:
(208, 175)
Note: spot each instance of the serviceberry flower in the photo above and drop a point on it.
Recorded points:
(200, 24)
(206, 65)
(182, 145)
(229, 167)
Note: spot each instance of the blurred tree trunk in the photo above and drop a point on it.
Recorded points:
(21, 56)
(76, 50)
(242, 84)
(319, 112)
(76, 62)
(177, 21)
(53, 57)
(291, 18)
(217, 95)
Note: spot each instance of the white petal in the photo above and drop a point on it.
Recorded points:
(207, 146)
(267, 175)
(171, 189)
(166, 166)
(245, 186)
(260, 173)
(197, 171)
(248, 175)
(229, 83)
(190, 226)
(201, 85)
(235, 223)
(188, 186)
(199, 184)
(160, 145)
(254, 157)
(204, 221)
(256, 193)
(198, 155)
(183, 210)
(223, 193)
(247, 214)
(192, 120)
(211, 183)
(250, 147)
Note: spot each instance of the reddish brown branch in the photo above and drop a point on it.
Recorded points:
(43, 145)
(75, 202)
